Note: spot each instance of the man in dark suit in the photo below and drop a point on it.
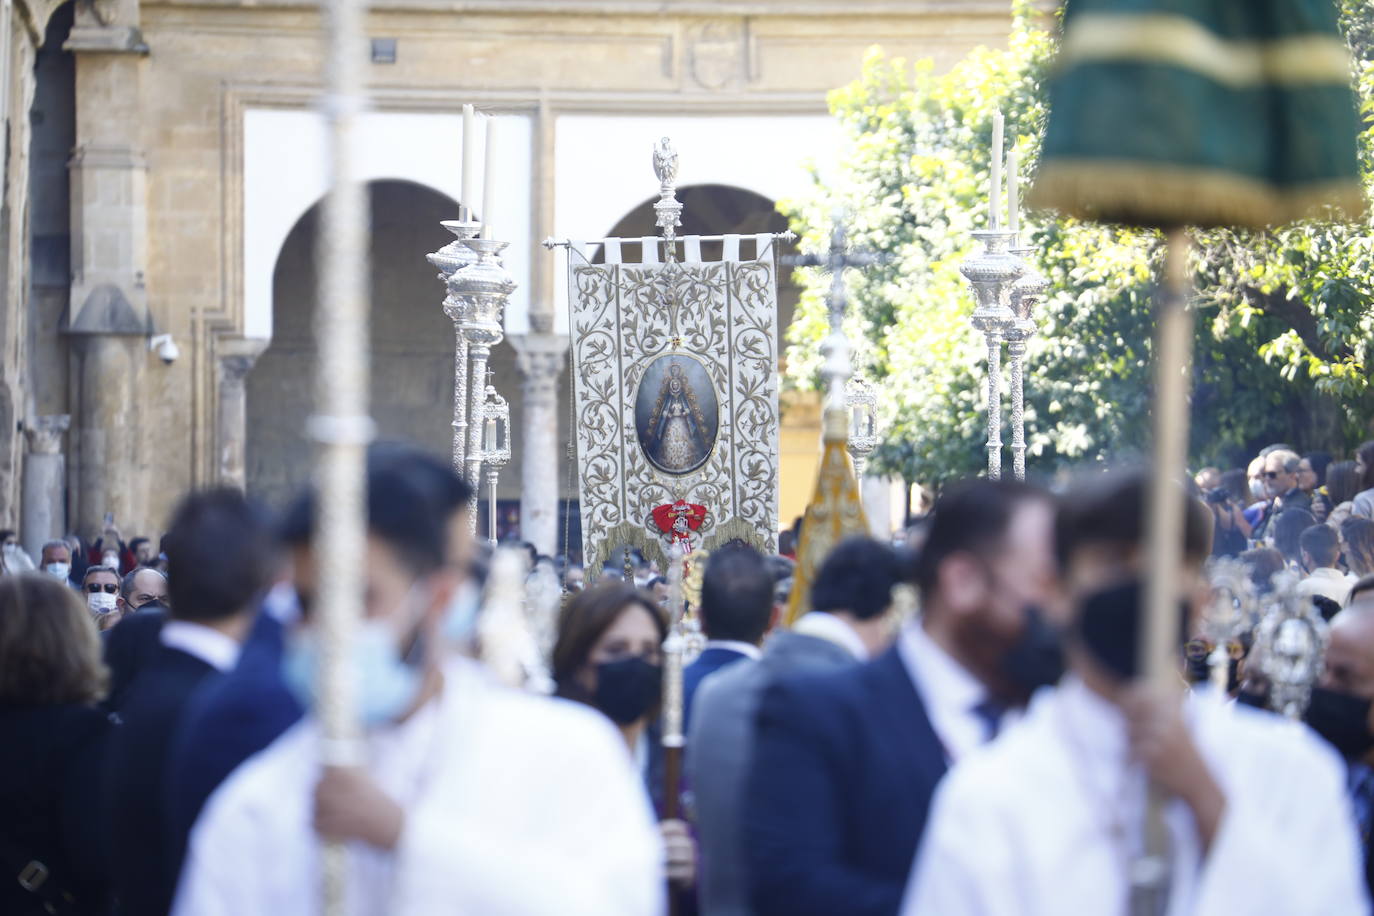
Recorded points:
(234, 715)
(736, 610)
(845, 761)
(852, 591)
(221, 555)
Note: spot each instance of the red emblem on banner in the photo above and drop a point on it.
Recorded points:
(678, 520)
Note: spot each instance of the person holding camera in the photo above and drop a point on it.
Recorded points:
(1231, 532)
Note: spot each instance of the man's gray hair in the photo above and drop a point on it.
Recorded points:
(1290, 459)
(56, 542)
(90, 570)
(126, 586)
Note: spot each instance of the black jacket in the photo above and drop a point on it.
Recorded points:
(144, 866)
(52, 759)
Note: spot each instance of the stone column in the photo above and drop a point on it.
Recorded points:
(106, 470)
(541, 357)
(108, 320)
(236, 358)
(44, 485)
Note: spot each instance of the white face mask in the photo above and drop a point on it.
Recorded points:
(100, 602)
(111, 560)
(1257, 487)
(58, 571)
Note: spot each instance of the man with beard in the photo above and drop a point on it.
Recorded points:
(846, 760)
(1051, 819)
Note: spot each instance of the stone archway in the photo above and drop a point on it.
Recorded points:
(412, 340)
(717, 209)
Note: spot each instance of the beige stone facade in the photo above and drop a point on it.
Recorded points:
(157, 235)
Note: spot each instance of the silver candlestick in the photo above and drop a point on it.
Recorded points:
(482, 289)
(862, 400)
(992, 273)
(1025, 294)
(495, 448)
(450, 259)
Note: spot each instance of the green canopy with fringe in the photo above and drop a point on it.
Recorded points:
(1200, 112)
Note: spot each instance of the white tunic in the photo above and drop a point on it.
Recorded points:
(1046, 819)
(515, 804)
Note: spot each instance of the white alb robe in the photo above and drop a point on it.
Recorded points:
(1046, 819)
(515, 804)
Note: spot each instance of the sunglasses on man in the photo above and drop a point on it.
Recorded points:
(94, 587)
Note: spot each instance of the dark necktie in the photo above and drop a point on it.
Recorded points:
(990, 713)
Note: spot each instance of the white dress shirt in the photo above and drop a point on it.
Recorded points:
(832, 629)
(950, 693)
(514, 804)
(205, 643)
(1047, 819)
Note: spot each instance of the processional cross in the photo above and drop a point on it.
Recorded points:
(836, 347)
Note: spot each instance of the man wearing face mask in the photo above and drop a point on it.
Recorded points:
(236, 714)
(56, 561)
(1340, 711)
(469, 797)
(845, 761)
(1051, 819)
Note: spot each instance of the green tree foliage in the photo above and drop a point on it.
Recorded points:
(1285, 318)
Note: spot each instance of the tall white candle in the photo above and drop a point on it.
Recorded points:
(995, 192)
(469, 144)
(489, 180)
(1013, 192)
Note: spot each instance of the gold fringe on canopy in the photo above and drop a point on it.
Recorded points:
(835, 512)
(1172, 195)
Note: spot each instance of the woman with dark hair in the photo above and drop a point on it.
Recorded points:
(1287, 530)
(52, 751)
(1357, 545)
(609, 655)
(1364, 463)
(1342, 484)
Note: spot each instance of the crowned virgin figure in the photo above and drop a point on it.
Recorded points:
(676, 438)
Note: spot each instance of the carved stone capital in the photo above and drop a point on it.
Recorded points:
(541, 358)
(237, 357)
(44, 434)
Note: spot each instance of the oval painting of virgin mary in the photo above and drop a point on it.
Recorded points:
(676, 414)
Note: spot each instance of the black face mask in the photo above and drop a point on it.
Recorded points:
(627, 688)
(1342, 719)
(1199, 657)
(152, 607)
(1037, 658)
(1108, 626)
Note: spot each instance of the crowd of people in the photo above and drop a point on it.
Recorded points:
(993, 753)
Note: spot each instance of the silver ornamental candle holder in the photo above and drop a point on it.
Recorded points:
(1290, 647)
(862, 400)
(450, 259)
(1026, 293)
(992, 273)
(495, 449)
(482, 290)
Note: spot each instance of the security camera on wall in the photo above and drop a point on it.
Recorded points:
(165, 348)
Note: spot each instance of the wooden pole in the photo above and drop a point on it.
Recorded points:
(1165, 532)
(340, 426)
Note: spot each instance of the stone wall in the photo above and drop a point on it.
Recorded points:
(208, 59)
